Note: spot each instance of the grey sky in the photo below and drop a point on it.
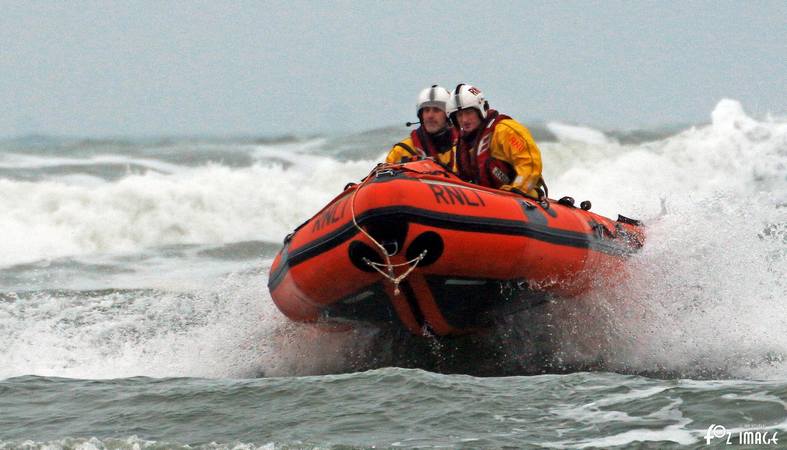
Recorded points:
(270, 68)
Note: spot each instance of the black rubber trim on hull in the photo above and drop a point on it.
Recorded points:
(276, 277)
(449, 222)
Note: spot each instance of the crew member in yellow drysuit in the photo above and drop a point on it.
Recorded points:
(494, 150)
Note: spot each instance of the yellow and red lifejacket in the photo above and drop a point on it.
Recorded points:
(503, 156)
(418, 146)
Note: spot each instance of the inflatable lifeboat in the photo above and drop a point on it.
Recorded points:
(414, 245)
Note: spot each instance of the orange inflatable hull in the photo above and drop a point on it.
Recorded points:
(472, 253)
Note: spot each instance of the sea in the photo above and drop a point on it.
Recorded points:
(135, 314)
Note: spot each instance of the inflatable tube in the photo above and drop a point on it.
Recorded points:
(414, 245)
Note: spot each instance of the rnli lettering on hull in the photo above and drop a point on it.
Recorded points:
(452, 195)
(330, 216)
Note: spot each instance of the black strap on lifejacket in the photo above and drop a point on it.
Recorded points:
(407, 148)
(541, 186)
(426, 143)
(541, 191)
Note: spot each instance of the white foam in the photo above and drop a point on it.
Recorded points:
(20, 161)
(577, 134)
(735, 155)
(209, 204)
(706, 293)
(130, 442)
(601, 413)
(231, 330)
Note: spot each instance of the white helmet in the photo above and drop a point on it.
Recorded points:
(467, 96)
(435, 96)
